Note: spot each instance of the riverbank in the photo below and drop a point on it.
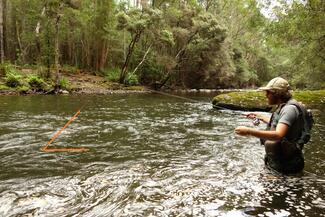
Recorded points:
(75, 82)
(29, 82)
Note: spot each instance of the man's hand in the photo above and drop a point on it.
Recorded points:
(261, 117)
(243, 131)
(251, 115)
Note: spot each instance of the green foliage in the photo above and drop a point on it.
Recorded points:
(298, 38)
(135, 20)
(6, 68)
(245, 37)
(202, 48)
(198, 44)
(11, 75)
(154, 68)
(36, 82)
(167, 36)
(2, 71)
(245, 76)
(113, 75)
(138, 23)
(122, 20)
(64, 83)
(132, 80)
(13, 80)
(44, 73)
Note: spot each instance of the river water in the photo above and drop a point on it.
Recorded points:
(150, 155)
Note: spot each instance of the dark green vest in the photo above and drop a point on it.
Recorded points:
(303, 113)
(287, 156)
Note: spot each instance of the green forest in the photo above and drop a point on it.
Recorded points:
(165, 43)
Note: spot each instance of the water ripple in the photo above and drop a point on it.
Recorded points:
(149, 156)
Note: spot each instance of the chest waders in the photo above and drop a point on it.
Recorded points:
(283, 156)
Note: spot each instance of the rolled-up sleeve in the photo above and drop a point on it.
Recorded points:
(289, 115)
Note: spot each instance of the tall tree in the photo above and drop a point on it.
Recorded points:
(136, 22)
(55, 10)
(2, 54)
(297, 40)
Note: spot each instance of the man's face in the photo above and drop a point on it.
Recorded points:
(272, 100)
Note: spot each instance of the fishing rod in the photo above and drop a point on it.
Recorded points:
(176, 96)
(256, 121)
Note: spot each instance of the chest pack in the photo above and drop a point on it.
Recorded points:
(304, 113)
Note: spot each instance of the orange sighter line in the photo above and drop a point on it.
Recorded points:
(46, 149)
(52, 150)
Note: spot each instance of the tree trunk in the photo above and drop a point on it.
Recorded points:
(37, 31)
(7, 19)
(128, 57)
(103, 56)
(56, 54)
(48, 48)
(161, 84)
(22, 55)
(56, 47)
(2, 54)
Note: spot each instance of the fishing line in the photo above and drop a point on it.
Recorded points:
(46, 148)
(220, 108)
(186, 98)
(176, 96)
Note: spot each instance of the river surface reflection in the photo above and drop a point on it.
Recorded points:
(150, 155)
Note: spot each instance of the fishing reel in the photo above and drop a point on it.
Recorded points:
(256, 121)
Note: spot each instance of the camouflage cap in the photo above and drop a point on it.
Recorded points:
(277, 83)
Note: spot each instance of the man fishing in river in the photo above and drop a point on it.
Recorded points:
(286, 129)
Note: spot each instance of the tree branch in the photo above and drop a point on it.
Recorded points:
(143, 59)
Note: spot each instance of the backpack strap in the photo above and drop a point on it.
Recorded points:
(275, 117)
(274, 120)
(305, 134)
(307, 122)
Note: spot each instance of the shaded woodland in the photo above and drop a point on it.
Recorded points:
(171, 43)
